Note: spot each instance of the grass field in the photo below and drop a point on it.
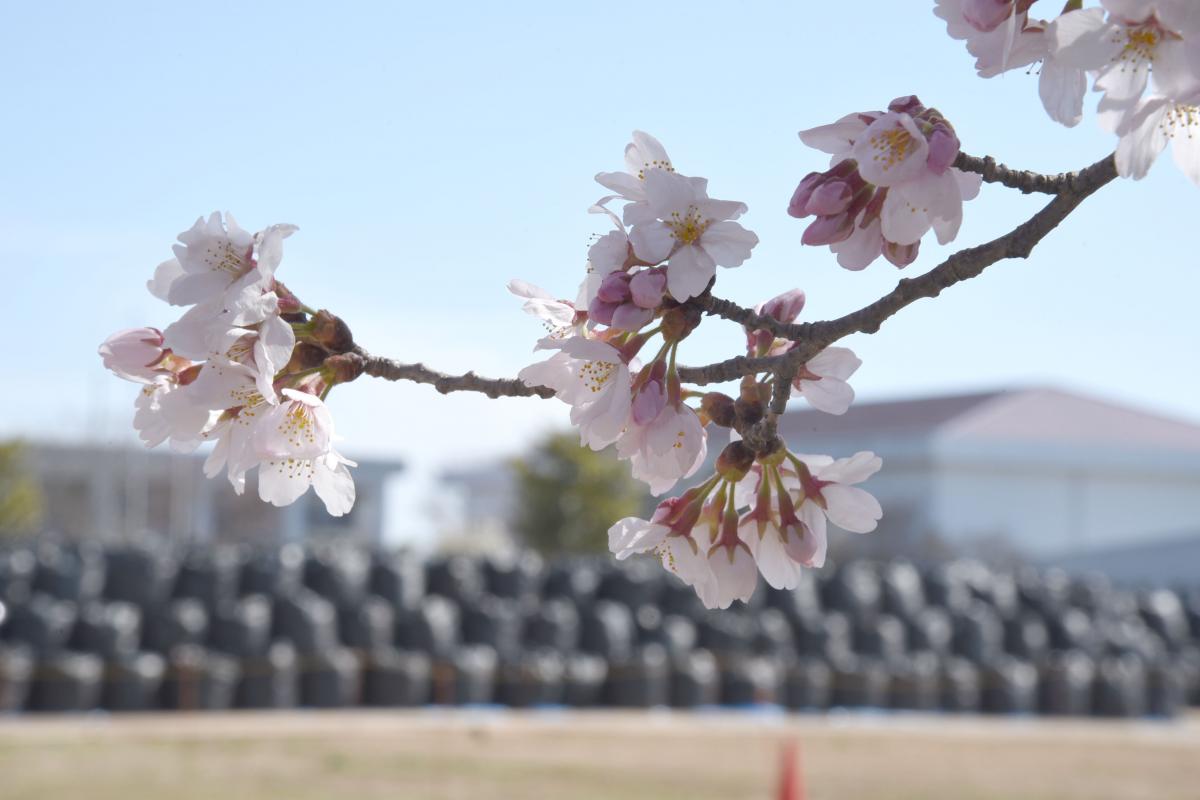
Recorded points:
(442, 755)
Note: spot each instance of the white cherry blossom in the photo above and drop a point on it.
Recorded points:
(823, 380)
(217, 259)
(1155, 123)
(559, 316)
(299, 427)
(590, 376)
(642, 155)
(165, 412)
(829, 493)
(669, 448)
(283, 481)
(693, 233)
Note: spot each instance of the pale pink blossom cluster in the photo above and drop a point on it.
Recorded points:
(228, 370)
(890, 181)
(664, 249)
(769, 518)
(663, 252)
(1143, 56)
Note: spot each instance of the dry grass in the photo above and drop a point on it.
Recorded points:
(494, 756)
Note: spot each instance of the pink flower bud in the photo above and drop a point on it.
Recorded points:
(986, 15)
(648, 287)
(629, 317)
(799, 201)
(649, 402)
(943, 149)
(785, 307)
(909, 104)
(828, 230)
(602, 312)
(135, 354)
(831, 197)
(614, 288)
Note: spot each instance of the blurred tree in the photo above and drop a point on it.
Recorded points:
(567, 496)
(20, 495)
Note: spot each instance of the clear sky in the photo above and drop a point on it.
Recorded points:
(430, 152)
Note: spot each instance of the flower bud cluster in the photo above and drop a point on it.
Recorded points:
(664, 249)
(891, 181)
(247, 366)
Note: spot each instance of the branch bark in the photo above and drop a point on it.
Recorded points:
(391, 370)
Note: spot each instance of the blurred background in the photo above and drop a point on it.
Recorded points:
(1040, 548)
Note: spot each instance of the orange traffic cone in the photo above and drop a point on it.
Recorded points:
(791, 780)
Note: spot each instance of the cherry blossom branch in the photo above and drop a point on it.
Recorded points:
(812, 337)
(392, 370)
(1070, 190)
(1023, 180)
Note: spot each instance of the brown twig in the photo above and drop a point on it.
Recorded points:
(391, 370)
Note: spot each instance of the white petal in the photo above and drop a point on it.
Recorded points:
(1186, 150)
(829, 395)
(281, 483)
(728, 243)
(1061, 89)
(855, 469)
(334, 485)
(1141, 146)
(1083, 40)
(835, 362)
(864, 246)
(837, 138)
(851, 508)
(652, 242)
(689, 271)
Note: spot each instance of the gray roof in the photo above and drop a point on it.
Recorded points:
(1030, 415)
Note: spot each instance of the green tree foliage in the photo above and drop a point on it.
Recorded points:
(568, 496)
(20, 495)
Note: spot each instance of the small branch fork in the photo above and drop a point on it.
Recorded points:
(1068, 191)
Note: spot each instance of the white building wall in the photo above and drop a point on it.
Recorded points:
(1049, 500)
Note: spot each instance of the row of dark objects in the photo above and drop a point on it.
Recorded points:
(877, 631)
(193, 678)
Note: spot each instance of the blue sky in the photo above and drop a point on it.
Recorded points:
(429, 153)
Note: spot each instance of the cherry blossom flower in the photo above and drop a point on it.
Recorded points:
(138, 355)
(1123, 46)
(1154, 123)
(165, 412)
(998, 33)
(671, 534)
(217, 259)
(691, 232)
(590, 376)
(669, 448)
(283, 481)
(559, 316)
(781, 542)
(827, 485)
(891, 181)
(823, 380)
(196, 333)
(299, 427)
(642, 155)
(731, 561)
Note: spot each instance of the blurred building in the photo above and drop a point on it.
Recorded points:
(105, 493)
(1038, 474)
(1046, 472)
